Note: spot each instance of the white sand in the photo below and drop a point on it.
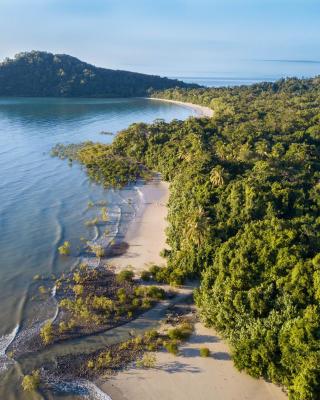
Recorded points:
(191, 377)
(202, 111)
(146, 235)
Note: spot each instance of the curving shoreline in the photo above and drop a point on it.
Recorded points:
(201, 110)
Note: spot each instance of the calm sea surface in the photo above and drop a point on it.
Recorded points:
(44, 201)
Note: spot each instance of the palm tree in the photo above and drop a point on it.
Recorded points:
(196, 227)
(218, 176)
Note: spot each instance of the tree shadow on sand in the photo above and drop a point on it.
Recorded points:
(221, 355)
(201, 339)
(177, 366)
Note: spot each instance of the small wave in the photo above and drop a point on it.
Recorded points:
(5, 342)
(54, 291)
(140, 193)
(83, 388)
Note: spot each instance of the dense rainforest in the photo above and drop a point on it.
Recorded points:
(41, 74)
(244, 216)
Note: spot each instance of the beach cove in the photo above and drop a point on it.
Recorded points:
(144, 240)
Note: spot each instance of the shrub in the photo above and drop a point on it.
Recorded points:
(181, 332)
(102, 303)
(122, 295)
(42, 290)
(176, 278)
(204, 352)
(104, 360)
(124, 345)
(31, 382)
(140, 291)
(98, 250)
(146, 304)
(104, 214)
(78, 290)
(165, 253)
(65, 248)
(77, 277)
(172, 347)
(46, 333)
(125, 276)
(147, 361)
(153, 270)
(151, 335)
(145, 276)
(72, 324)
(152, 347)
(90, 204)
(90, 364)
(63, 327)
(155, 293)
(136, 303)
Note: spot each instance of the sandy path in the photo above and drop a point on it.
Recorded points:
(190, 377)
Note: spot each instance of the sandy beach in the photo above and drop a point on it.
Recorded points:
(186, 376)
(202, 111)
(191, 377)
(146, 237)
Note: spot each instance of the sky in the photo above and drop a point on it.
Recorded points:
(242, 38)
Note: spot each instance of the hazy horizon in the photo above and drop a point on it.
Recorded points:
(239, 38)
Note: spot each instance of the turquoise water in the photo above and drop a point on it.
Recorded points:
(43, 201)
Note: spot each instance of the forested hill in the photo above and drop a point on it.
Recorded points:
(41, 74)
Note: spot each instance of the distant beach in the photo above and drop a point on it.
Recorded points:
(202, 111)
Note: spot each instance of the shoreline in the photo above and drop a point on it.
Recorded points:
(202, 111)
(145, 237)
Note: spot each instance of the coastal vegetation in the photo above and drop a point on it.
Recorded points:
(243, 217)
(204, 352)
(103, 165)
(64, 249)
(139, 349)
(41, 74)
(93, 300)
(31, 383)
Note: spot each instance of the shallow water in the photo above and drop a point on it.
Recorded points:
(43, 202)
